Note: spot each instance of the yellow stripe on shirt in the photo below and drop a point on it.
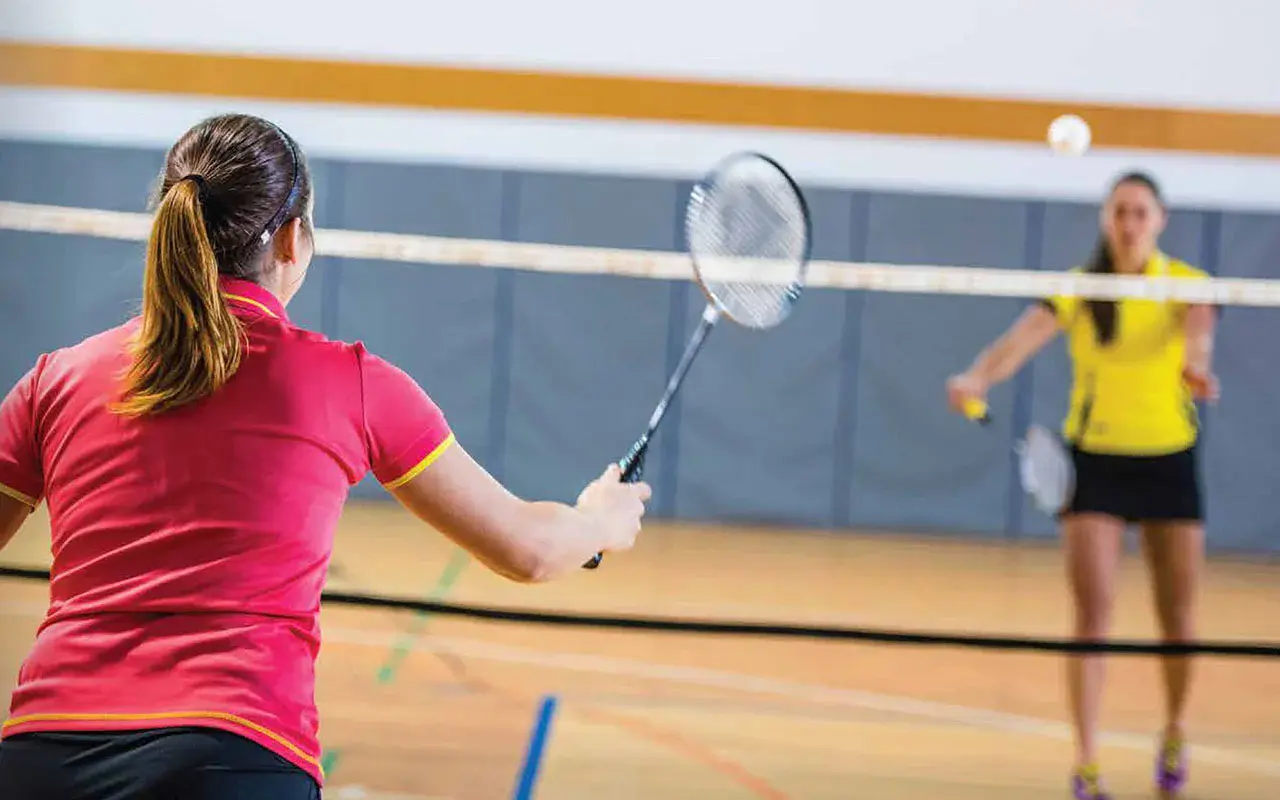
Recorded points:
(19, 496)
(173, 715)
(252, 302)
(421, 465)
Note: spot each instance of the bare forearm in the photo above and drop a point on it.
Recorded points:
(999, 362)
(523, 541)
(526, 541)
(539, 542)
(1005, 356)
(1199, 337)
(1199, 355)
(558, 539)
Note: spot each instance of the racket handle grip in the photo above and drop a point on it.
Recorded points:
(632, 466)
(977, 411)
(633, 463)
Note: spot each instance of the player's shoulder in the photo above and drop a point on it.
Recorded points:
(104, 345)
(1183, 269)
(317, 348)
(1056, 302)
(306, 338)
(350, 353)
(1076, 271)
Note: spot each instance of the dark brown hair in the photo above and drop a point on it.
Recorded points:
(1101, 261)
(228, 185)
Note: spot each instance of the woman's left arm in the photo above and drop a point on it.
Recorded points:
(1199, 326)
(21, 472)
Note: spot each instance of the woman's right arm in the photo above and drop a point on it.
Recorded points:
(413, 453)
(525, 541)
(1001, 360)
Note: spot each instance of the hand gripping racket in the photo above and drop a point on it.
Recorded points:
(749, 234)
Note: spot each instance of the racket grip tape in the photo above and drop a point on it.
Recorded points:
(632, 466)
(633, 463)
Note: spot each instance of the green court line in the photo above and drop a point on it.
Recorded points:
(329, 760)
(387, 672)
(444, 584)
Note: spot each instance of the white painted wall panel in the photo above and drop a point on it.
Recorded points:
(1190, 52)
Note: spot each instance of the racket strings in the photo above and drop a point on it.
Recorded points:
(752, 304)
(1045, 468)
(749, 238)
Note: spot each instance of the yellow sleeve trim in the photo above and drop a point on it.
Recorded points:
(421, 465)
(19, 496)
(173, 715)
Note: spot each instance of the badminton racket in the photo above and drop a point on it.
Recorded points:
(748, 233)
(1045, 469)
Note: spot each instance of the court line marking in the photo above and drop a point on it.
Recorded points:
(400, 649)
(702, 754)
(444, 584)
(793, 690)
(698, 752)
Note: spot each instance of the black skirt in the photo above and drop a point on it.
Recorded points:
(1138, 488)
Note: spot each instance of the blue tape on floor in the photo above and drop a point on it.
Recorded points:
(537, 747)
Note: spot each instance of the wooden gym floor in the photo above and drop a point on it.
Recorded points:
(442, 708)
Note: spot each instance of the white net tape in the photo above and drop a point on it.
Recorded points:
(905, 278)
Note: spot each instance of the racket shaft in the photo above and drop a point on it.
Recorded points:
(708, 321)
(632, 464)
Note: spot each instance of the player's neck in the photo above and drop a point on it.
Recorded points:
(1134, 265)
(273, 282)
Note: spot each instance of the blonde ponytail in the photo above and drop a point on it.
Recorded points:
(190, 344)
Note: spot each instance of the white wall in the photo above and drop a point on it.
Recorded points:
(1220, 54)
(1135, 50)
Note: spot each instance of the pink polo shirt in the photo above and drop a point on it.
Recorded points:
(190, 549)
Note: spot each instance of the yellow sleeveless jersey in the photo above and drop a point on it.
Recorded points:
(1128, 396)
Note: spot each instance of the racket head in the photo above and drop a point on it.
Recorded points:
(750, 237)
(1046, 470)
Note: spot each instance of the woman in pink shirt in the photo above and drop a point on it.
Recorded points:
(195, 461)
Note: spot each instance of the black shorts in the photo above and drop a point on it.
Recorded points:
(1162, 488)
(161, 764)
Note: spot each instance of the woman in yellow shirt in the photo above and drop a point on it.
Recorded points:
(1138, 366)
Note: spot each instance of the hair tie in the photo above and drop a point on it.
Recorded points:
(202, 185)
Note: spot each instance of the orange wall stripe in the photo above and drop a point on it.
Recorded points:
(613, 97)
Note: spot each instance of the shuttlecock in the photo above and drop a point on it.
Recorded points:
(1069, 135)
